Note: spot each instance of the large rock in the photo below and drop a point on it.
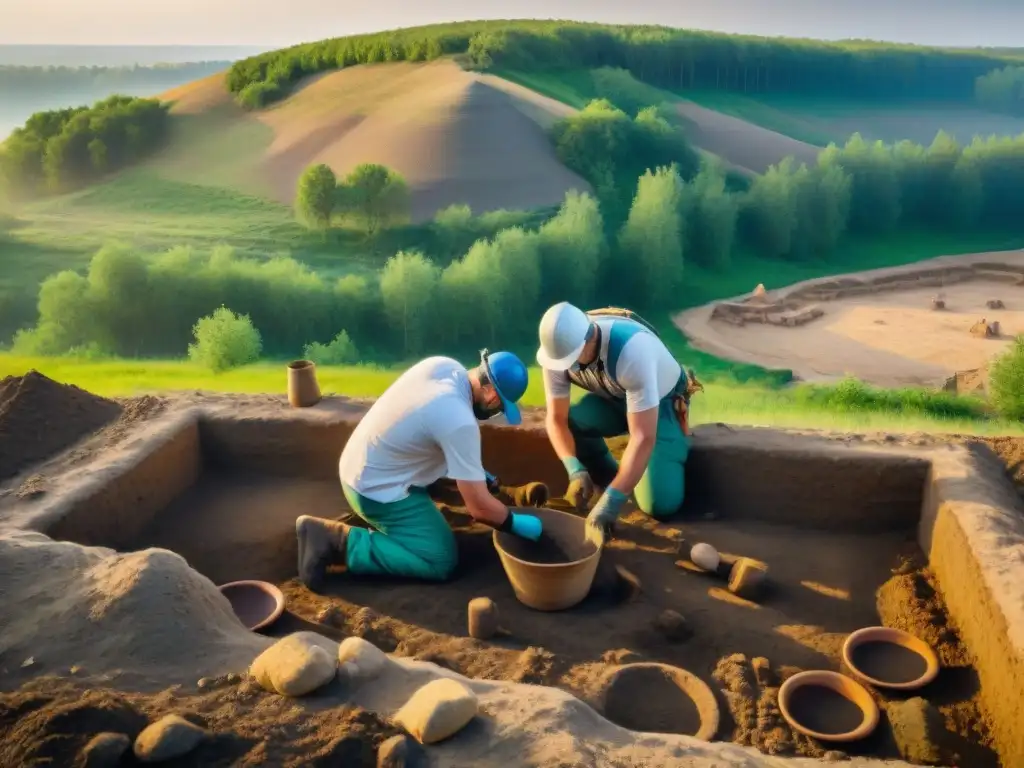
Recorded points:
(294, 666)
(439, 709)
(105, 750)
(401, 752)
(360, 659)
(169, 737)
(918, 729)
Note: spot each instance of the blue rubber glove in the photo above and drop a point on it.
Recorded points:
(603, 516)
(526, 526)
(581, 487)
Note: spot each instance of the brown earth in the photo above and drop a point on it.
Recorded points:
(50, 720)
(825, 585)
(878, 326)
(39, 418)
(746, 146)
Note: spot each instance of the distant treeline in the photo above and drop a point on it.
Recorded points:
(61, 150)
(53, 82)
(669, 58)
(1002, 90)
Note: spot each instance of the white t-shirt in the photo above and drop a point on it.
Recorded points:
(421, 429)
(645, 369)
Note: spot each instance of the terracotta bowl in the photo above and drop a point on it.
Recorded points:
(905, 651)
(257, 604)
(816, 687)
(658, 698)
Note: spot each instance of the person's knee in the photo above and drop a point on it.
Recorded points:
(444, 561)
(661, 506)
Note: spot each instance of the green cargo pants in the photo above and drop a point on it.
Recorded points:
(661, 489)
(410, 538)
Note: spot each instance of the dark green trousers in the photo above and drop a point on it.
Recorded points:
(661, 490)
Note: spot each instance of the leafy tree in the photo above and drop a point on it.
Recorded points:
(710, 213)
(572, 248)
(770, 210)
(1006, 381)
(408, 286)
(224, 340)
(652, 240)
(1001, 90)
(317, 193)
(376, 196)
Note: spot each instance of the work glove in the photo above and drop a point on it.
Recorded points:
(581, 486)
(603, 516)
(525, 526)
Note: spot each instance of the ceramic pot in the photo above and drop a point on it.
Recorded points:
(303, 390)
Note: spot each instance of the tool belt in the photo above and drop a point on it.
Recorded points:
(685, 389)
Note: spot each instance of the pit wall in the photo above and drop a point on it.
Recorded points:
(972, 529)
(967, 519)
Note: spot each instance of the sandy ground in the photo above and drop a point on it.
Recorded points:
(456, 137)
(744, 145)
(886, 339)
(125, 627)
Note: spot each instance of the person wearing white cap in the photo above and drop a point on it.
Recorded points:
(634, 386)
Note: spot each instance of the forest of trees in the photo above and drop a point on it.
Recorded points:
(371, 196)
(64, 149)
(1002, 90)
(670, 58)
(486, 279)
(35, 83)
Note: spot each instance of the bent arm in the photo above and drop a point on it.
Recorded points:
(556, 422)
(643, 432)
(480, 504)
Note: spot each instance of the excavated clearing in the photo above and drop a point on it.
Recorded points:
(843, 524)
(913, 325)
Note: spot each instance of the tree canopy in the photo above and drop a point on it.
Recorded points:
(662, 56)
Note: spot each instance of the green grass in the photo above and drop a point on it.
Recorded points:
(725, 402)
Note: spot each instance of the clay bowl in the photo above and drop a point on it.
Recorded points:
(890, 658)
(828, 706)
(555, 573)
(257, 604)
(659, 698)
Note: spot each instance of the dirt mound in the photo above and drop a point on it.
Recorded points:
(741, 143)
(456, 137)
(50, 720)
(127, 613)
(39, 418)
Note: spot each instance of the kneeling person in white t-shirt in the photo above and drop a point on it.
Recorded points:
(423, 428)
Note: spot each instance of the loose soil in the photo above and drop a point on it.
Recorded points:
(50, 720)
(888, 662)
(39, 418)
(823, 710)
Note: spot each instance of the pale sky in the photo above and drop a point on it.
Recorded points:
(267, 23)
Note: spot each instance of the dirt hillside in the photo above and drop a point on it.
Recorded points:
(457, 137)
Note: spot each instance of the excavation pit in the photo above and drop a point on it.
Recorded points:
(843, 527)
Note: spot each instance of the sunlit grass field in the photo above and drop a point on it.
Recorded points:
(722, 401)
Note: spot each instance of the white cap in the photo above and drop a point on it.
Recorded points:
(563, 334)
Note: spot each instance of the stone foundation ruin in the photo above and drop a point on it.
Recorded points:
(799, 304)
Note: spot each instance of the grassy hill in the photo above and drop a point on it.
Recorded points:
(456, 137)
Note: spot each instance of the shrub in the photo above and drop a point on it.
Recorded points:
(225, 340)
(1006, 382)
(341, 350)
